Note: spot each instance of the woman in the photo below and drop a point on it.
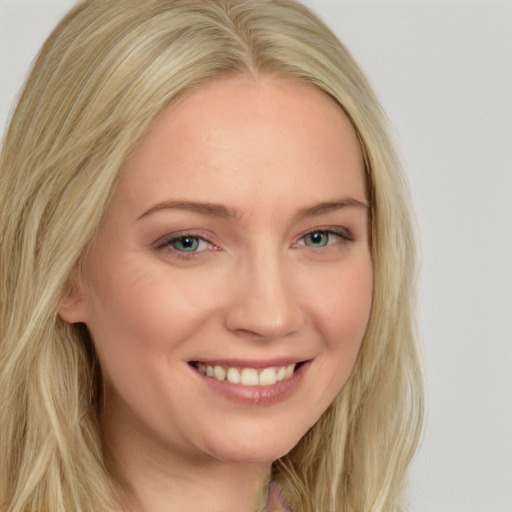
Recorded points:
(207, 269)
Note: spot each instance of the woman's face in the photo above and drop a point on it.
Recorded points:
(235, 248)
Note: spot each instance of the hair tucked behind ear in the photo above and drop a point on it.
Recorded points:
(104, 74)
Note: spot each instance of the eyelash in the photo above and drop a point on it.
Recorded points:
(340, 234)
(167, 242)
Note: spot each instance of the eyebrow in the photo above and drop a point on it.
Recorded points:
(204, 208)
(219, 210)
(331, 206)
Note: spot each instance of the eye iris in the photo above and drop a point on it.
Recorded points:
(317, 239)
(186, 243)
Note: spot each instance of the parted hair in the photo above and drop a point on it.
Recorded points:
(104, 74)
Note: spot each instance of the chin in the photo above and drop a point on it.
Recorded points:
(262, 450)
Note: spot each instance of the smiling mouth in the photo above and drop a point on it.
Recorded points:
(247, 376)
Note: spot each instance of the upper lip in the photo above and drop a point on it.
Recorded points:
(251, 363)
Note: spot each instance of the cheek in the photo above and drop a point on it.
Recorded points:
(342, 318)
(140, 322)
(149, 311)
(345, 305)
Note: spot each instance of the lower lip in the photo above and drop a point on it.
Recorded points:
(257, 396)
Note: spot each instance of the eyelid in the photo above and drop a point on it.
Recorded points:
(339, 231)
(165, 242)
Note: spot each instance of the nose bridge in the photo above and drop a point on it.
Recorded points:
(265, 302)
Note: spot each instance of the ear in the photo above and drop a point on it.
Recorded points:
(72, 307)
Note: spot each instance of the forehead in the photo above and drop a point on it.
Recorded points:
(251, 135)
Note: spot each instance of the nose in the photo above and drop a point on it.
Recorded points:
(264, 302)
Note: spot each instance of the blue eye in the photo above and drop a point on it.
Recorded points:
(317, 239)
(320, 238)
(188, 243)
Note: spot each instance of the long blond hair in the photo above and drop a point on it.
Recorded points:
(103, 75)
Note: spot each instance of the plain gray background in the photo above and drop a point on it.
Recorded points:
(443, 71)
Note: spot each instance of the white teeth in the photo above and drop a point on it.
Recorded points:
(268, 377)
(247, 376)
(219, 373)
(233, 376)
(289, 370)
